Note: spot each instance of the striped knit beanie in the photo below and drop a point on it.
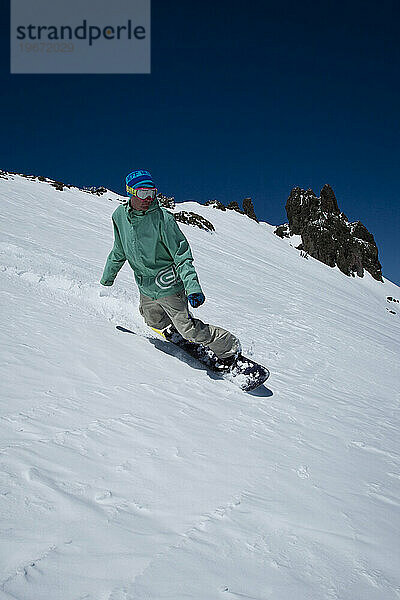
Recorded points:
(138, 179)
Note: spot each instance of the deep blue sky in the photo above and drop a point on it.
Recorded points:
(244, 99)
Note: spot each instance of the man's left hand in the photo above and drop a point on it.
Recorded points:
(196, 300)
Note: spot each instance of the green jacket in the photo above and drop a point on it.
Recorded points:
(155, 248)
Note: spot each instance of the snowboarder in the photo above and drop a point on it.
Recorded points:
(148, 237)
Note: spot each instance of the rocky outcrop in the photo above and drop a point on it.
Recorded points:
(283, 231)
(327, 235)
(248, 209)
(59, 185)
(234, 206)
(191, 218)
(215, 204)
(99, 191)
(166, 201)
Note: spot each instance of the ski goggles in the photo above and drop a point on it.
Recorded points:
(142, 193)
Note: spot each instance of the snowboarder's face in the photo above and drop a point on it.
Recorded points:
(142, 198)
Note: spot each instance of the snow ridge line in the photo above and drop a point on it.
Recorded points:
(189, 535)
(59, 437)
(39, 410)
(24, 569)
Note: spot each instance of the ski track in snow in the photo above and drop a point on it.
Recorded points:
(127, 473)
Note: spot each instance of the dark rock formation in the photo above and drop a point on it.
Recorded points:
(59, 185)
(303, 207)
(234, 206)
(391, 299)
(328, 236)
(191, 218)
(99, 191)
(215, 204)
(33, 177)
(166, 201)
(248, 209)
(282, 231)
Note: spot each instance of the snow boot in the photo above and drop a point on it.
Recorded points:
(229, 363)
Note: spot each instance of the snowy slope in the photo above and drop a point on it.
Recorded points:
(128, 473)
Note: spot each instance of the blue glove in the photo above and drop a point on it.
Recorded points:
(196, 300)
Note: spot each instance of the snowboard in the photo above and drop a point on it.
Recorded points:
(246, 374)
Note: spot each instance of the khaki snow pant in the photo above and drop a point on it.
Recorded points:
(174, 309)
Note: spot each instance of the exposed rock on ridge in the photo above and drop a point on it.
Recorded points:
(248, 208)
(191, 218)
(327, 235)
